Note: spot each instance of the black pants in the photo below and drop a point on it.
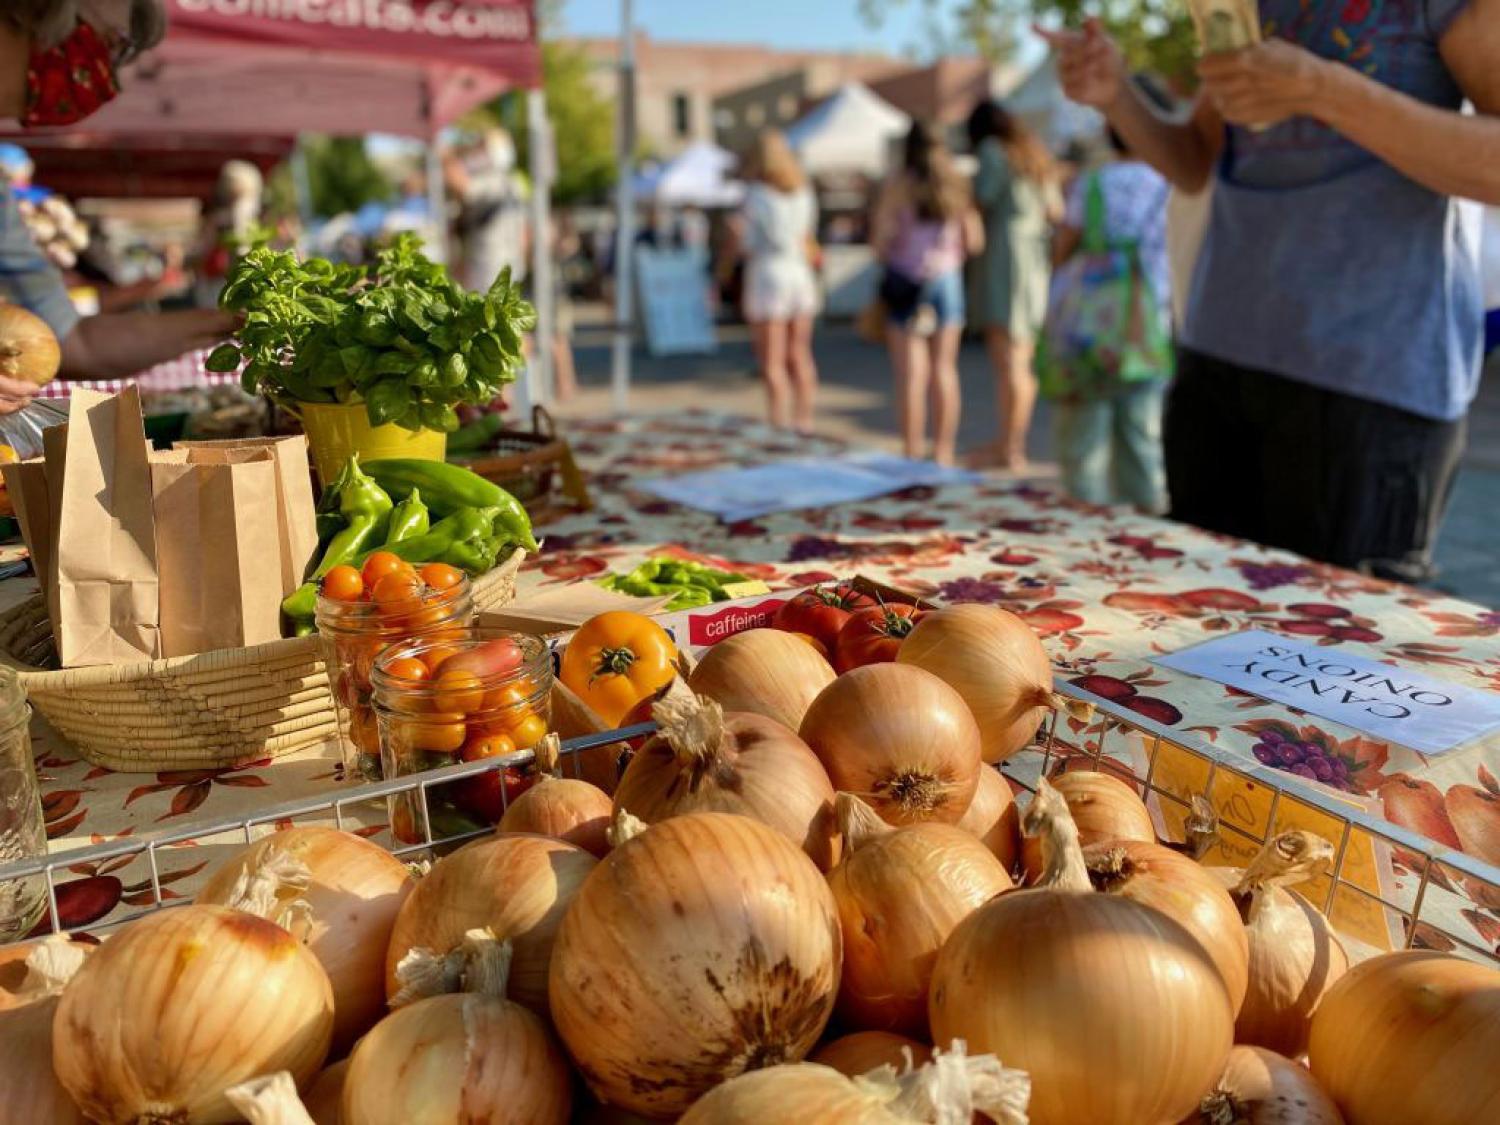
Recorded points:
(1336, 478)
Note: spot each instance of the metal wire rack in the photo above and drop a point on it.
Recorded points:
(1388, 887)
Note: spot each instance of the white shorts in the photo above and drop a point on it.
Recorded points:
(780, 289)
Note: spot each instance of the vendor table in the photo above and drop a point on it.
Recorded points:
(1106, 588)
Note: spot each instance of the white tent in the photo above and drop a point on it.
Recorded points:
(1040, 102)
(698, 176)
(849, 132)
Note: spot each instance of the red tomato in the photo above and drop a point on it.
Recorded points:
(873, 635)
(487, 795)
(821, 612)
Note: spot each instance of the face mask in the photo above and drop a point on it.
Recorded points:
(68, 82)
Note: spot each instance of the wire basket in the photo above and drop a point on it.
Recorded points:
(1388, 888)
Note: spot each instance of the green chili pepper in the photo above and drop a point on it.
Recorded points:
(448, 488)
(476, 435)
(459, 540)
(366, 511)
(408, 519)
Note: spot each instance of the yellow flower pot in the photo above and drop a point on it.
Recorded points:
(335, 430)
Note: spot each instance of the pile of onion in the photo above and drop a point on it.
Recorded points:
(183, 1004)
(324, 1098)
(337, 892)
(763, 672)
(270, 1100)
(994, 660)
(900, 739)
(900, 893)
(950, 1088)
(993, 816)
(517, 887)
(470, 1055)
(1102, 807)
(1294, 955)
(863, 1051)
(1260, 1087)
(1114, 1009)
(703, 760)
(564, 807)
(1409, 1037)
(28, 348)
(706, 946)
(29, 1091)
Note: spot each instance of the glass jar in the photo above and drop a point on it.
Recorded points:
(23, 832)
(355, 633)
(441, 701)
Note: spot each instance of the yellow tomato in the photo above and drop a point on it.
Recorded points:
(529, 731)
(457, 691)
(617, 659)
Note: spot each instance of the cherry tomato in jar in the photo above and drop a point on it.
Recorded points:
(872, 636)
(488, 660)
(342, 584)
(508, 700)
(437, 656)
(397, 592)
(408, 668)
(529, 731)
(364, 731)
(382, 563)
(617, 659)
(457, 691)
(821, 612)
(487, 795)
(438, 733)
(440, 576)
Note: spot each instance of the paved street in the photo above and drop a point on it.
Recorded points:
(856, 404)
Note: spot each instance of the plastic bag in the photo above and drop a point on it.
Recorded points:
(22, 431)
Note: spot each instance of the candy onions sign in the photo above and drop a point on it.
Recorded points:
(472, 32)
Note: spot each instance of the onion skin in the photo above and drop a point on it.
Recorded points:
(900, 739)
(565, 808)
(1114, 1009)
(183, 1004)
(1411, 1037)
(706, 946)
(356, 891)
(13, 972)
(458, 1058)
(708, 761)
(1260, 1087)
(29, 1091)
(899, 895)
(995, 662)
(807, 1093)
(863, 1051)
(763, 672)
(993, 817)
(1103, 808)
(325, 1097)
(1167, 881)
(519, 887)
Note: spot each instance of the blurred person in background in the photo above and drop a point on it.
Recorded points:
(1331, 348)
(779, 223)
(492, 222)
(229, 227)
(1016, 191)
(1107, 412)
(58, 63)
(924, 227)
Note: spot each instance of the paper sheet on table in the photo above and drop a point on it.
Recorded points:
(804, 482)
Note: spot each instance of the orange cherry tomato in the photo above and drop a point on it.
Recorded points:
(441, 576)
(343, 584)
(422, 620)
(488, 745)
(458, 691)
(364, 731)
(529, 731)
(505, 699)
(435, 656)
(438, 733)
(381, 563)
(397, 592)
(407, 668)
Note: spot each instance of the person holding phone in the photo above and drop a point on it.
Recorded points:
(1332, 340)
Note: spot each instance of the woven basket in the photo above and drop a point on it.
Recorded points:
(535, 466)
(209, 711)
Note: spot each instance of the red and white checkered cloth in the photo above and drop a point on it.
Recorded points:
(183, 373)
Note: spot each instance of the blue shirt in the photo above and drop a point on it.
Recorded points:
(27, 278)
(1326, 265)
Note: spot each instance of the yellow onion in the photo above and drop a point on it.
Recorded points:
(564, 807)
(1103, 808)
(336, 891)
(706, 761)
(183, 1004)
(518, 887)
(29, 1091)
(950, 1088)
(995, 662)
(900, 893)
(1115, 1010)
(703, 947)
(28, 349)
(270, 1100)
(1411, 1037)
(325, 1097)
(460, 1057)
(1294, 956)
(763, 672)
(993, 817)
(1177, 886)
(898, 738)
(1260, 1087)
(863, 1051)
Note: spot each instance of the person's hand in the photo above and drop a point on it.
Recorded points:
(1090, 65)
(1262, 85)
(15, 394)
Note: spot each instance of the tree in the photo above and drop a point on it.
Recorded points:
(341, 176)
(583, 124)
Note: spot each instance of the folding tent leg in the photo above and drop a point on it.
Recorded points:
(625, 217)
(543, 293)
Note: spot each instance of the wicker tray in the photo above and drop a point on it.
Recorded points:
(209, 711)
(535, 466)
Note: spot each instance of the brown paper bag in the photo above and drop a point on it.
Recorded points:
(106, 609)
(296, 517)
(216, 539)
(26, 484)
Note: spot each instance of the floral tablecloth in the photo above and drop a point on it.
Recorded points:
(1107, 589)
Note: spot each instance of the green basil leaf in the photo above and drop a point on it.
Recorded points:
(355, 360)
(386, 401)
(455, 370)
(439, 416)
(425, 374)
(393, 363)
(224, 358)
